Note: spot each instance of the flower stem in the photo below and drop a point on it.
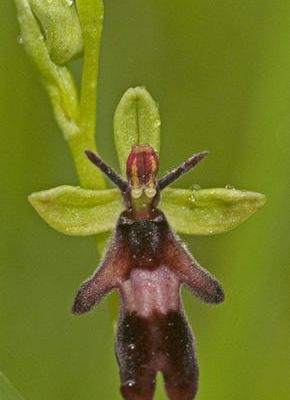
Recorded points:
(91, 14)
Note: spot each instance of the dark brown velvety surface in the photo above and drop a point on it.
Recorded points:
(158, 343)
(147, 264)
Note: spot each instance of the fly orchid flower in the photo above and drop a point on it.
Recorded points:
(145, 261)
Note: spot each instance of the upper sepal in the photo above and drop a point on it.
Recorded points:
(76, 211)
(209, 211)
(136, 121)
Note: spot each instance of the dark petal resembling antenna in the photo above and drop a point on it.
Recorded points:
(181, 170)
(108, 171)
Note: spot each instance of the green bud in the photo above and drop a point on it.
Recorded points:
(60, 26)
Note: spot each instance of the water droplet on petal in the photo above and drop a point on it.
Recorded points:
(193, 189)
(131, 346)
(20, 39)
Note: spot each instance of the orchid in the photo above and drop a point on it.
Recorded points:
(145, 261)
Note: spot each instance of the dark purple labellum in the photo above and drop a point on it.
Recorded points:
(147, 264)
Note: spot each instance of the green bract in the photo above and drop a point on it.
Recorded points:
(60, 27)
(77, 211)
(57, 79)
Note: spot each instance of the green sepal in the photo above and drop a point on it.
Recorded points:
(209, 211)
(7, 390)
(136, 121)
(76, 211)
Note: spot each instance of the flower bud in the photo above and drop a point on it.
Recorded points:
(60, 26)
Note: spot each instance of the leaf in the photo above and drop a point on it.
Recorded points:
(76, 211)
(136, 121)
(7, 391)
(209, 211)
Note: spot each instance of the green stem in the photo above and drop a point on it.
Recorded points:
(91, 14)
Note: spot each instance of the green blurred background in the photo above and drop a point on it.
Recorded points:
(220, 71)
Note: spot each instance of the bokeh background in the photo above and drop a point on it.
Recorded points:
(220, 71)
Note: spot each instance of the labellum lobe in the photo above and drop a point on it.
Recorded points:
(147, 264)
